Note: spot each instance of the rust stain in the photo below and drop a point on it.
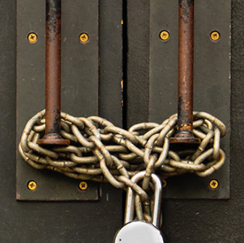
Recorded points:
(53, 66)
(53, 75)
(185, 74)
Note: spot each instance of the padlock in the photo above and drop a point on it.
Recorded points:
(141, 231)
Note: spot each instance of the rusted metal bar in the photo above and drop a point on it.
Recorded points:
(185, 74)
(53, 75)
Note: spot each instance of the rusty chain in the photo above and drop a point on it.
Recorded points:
(100, 151)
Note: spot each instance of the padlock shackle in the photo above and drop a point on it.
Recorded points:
(130, 199)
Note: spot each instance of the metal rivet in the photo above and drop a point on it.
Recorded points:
(164, 182)
(214, 184)
(215, 36)
(32, 38)
(84, 38)
(32, 185)
(164, 35)
(83, 186)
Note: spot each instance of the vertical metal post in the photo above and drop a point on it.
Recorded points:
(53, 75)
(185, 74)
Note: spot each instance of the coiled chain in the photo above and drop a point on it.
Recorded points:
(100, 151)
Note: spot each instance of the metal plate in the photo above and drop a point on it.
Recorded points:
(79, 86)
(211, 81)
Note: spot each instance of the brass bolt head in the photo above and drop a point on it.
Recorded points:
(164, 35)
(32, 185)
(83, 186)
(214, 184)
(215, 36)
(84, 38)
(32, 38)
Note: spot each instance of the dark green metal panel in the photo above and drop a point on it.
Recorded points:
(211, 81)
(79, 86)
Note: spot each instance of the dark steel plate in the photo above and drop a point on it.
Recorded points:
(212, 81)
(79, 86)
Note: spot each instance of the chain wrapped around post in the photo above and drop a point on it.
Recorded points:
(102, 152)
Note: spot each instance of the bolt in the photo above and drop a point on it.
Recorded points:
(215, 36)
(32, 185)
(164, 183)
(84, 38)
(164, 35)
(83, 186)
(214, 184)
(32, 38)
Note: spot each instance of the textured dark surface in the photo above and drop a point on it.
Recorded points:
(211, 81)
(55, 221)
(191, 221)
(195, 220)
(79, 75)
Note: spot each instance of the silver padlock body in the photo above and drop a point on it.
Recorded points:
(139, 232)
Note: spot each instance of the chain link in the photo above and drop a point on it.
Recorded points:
(102, 152)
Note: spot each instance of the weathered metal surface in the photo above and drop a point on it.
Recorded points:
(152, 153)
(53, 75)
(211, 80)
(185, 74)
(209, 220)
(79, 77)
(57, 222)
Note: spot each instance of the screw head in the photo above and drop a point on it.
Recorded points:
(214, 184)
(215, 36)
(32, 185)
(83, 186)
(164, 35)
(84, 38)
(32, 37)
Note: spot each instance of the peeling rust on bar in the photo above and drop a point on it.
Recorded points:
(53, 75)
(185, 74)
